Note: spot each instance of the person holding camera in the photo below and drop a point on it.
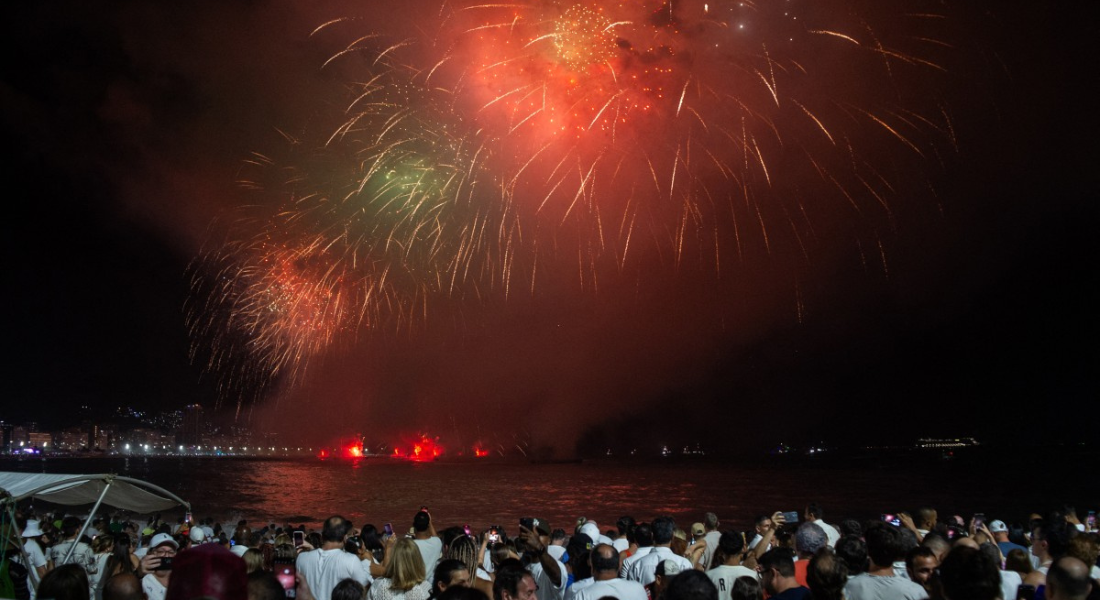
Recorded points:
(549, 573)
(322, 568)
(157, 565)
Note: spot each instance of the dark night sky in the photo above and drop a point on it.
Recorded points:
(126, 125)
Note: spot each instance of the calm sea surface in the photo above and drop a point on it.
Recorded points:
(483, 494)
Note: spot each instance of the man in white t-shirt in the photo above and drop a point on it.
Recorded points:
(729, 548)
(710, 536)
(644, 569)
(427, 540)
(321, 569)
(605, 567)
(815, 514)
(36, 558)
(643, 537)
(884, 546)
(549, 573)
(623, 525)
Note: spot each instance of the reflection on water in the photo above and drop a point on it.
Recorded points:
(483, 494)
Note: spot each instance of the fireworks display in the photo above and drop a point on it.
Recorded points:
(467, 155)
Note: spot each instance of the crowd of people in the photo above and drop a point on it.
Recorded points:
(785, 556)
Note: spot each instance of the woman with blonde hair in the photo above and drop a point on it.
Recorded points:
(405, 578)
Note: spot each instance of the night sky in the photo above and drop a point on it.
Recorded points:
(128, 123)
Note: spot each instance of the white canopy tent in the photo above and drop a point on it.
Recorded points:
(74, 490)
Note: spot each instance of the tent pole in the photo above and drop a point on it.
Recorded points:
(91, 516)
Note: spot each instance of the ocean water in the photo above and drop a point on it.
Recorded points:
(481, 494)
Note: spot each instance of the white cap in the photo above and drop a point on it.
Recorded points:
(161, 539)
(239, 549)
(197, 535)
(591, 530)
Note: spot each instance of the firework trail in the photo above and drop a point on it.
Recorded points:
(505, 138)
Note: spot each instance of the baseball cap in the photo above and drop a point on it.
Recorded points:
(591, 530)
(197, 535)
(161, 539)
(997, 526)
(697, 529)
(668, 568)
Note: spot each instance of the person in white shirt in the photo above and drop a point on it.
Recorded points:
(36, 569)
(427, 540)
(643, 537)
(157, 565)
(644, 569)
(815, 514)
(322, 568)
(606, 582)
(729, 548)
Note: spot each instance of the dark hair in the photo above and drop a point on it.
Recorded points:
(263, 585)
(624, 525)
(421, 521)
(918, 552)
(119, 560)
(826, 575)
(1056, 532)
(691, 585)
(814, 509)
(124, 586)
(746, 588)
(853, 551)
(924, 515)
(730, 543)
(971, 574)
(884, 545)
(508, 575)
(368, 535)
(850, 527)
(780, 559)
(604, 559)
(334, 529)
(643, 535)
(443, 570)
(1019, 561)
(348, 589)
(461, 592)
(67, 582)
(663, 528)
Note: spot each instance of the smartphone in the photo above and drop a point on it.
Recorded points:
(285, 573)
(891, 519)
(467, 530)
(388, 529)
(165, 564)
(187, 518)
(299, 538)
(979, 520)
(527, 522)
(494, 536)
(1090, 521)
(791, 516)
(1025, 592)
